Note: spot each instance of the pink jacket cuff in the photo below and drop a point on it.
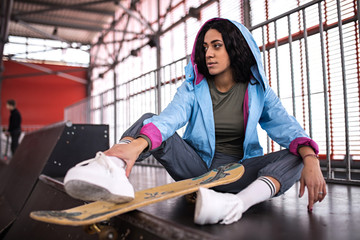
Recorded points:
(153, 133)
(303, 141)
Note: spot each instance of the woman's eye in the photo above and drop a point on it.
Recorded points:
(205, 48)
(217, 45)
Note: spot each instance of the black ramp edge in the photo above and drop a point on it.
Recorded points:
(7, 215)
(18, 179)
(46, 197)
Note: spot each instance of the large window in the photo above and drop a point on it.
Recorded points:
(44, 50)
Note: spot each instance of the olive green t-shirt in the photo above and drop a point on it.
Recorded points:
(229, 118)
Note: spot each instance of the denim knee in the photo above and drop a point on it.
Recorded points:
(287, 170)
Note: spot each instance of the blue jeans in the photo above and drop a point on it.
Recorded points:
(181, 162)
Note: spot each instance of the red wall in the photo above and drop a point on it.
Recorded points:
(40, 99)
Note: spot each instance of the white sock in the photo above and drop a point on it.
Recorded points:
(258, 191)
(121, 163)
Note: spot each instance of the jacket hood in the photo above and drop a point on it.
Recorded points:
(257, 70)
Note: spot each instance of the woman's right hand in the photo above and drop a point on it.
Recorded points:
(128, 152)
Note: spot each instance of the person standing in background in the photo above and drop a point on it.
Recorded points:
(14, 130)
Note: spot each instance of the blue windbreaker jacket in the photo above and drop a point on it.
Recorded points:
(192, 105)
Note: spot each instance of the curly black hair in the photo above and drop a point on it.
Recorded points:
(241, 57)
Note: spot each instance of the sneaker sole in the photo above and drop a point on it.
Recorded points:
(90, 192)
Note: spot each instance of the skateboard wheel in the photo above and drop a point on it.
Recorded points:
(108, 233)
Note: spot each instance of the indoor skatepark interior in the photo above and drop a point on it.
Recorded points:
(83, 71)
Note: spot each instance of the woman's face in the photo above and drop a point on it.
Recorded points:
(216, 57)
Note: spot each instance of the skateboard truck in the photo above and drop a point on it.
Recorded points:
(105, 232)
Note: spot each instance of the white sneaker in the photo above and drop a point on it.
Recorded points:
(213, 207)
(100, 178)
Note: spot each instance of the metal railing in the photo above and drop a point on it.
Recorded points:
(321, 85)
(310, 61)
(133, 98)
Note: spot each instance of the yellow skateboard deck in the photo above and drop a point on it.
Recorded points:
(99, 211)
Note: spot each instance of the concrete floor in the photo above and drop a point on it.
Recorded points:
(284, 217)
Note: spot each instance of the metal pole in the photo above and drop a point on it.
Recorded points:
(358, 14)
(307, 73)
(326, 100)
(347, 157)
(88, 110)
(264, 63)
(277, 60)
(158, 61)
(88, 91)
(176, 74)
(291, 67)
(154, 82)
(115, 108)
(246, 11)
(101, 108)
(185, 30)
(263, 48)
(115, 83)
(127, 103)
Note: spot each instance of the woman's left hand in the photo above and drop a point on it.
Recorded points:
(313, 179)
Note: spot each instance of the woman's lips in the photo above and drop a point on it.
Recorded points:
(210, 64)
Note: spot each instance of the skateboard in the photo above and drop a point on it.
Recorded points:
(99, 211)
